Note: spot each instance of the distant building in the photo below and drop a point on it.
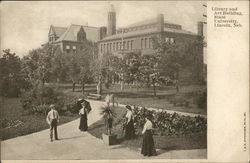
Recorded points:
(73, 38)
(138, 37)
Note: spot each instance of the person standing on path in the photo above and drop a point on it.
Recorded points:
(129, 128)
(84, 111)
(148, 147)
(53, 119)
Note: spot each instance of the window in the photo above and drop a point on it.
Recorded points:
(120, 45)
(110, 46)
(113, 46)
(128, 45)
(146, 42)
(74, 48)
(132, 42)
(150, 43)
(67, 48)
(124, 45)
(117, 46)
(104, 47)
(142, 40)
(101, 48)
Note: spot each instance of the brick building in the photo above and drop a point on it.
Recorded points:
(138, 37)
(74, 37)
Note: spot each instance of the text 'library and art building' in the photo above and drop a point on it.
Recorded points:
(137, 37)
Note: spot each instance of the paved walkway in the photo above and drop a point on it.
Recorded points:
(76, 145)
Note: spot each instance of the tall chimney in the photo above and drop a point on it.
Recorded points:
(111, 21)
(200, 28)
(160, 22)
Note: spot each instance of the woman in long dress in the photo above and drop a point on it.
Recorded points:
(129, 128)
(83, 117)
(148, 147)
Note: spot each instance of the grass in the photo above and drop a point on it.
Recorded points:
(144, 96)
(12, 112)
(192, 141)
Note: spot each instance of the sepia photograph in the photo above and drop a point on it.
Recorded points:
(100, 80)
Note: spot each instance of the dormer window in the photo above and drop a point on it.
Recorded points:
(81, 35)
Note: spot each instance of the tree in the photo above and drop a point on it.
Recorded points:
(37, 65)
(182, 54)
(12, 79)
(149, 71)
(79, 64)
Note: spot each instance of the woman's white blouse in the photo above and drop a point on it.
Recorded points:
(147, 126)
(82, 111)
(129, 115)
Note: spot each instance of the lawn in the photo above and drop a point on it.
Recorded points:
(15, 122)
(191, 141)
(144, 96)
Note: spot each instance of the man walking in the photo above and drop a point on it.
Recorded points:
(53, 119)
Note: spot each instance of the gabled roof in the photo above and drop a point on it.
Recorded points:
(58, 31)
(92, 33)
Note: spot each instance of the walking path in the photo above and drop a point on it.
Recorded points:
(76, 145)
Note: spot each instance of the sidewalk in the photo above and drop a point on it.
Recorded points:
(76, 145)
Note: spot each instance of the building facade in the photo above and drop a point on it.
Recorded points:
(138, 37)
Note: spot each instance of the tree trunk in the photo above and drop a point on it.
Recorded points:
(154, 88)
(83, 87)
(122, 85)
(73, 86)
(148, 81)
(99, 87)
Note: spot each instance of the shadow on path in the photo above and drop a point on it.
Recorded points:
(74, 137)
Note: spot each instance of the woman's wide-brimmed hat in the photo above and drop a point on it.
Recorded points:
(128, 107)
(80, 99)
(83, 103)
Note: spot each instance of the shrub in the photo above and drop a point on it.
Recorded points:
(71, 104)
(38, 99)
(202, 100)
(170, 124)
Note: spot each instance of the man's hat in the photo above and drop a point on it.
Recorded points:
(52, 106)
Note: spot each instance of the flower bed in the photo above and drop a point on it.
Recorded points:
(170, 124)
(164, 140)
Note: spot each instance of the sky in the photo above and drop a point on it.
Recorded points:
(25, 25)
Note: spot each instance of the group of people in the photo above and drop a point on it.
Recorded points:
(148, 147)
(53, 117)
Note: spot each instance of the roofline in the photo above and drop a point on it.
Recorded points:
(190, 34)
(85, 26)
(127, 36)
(66, 41)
